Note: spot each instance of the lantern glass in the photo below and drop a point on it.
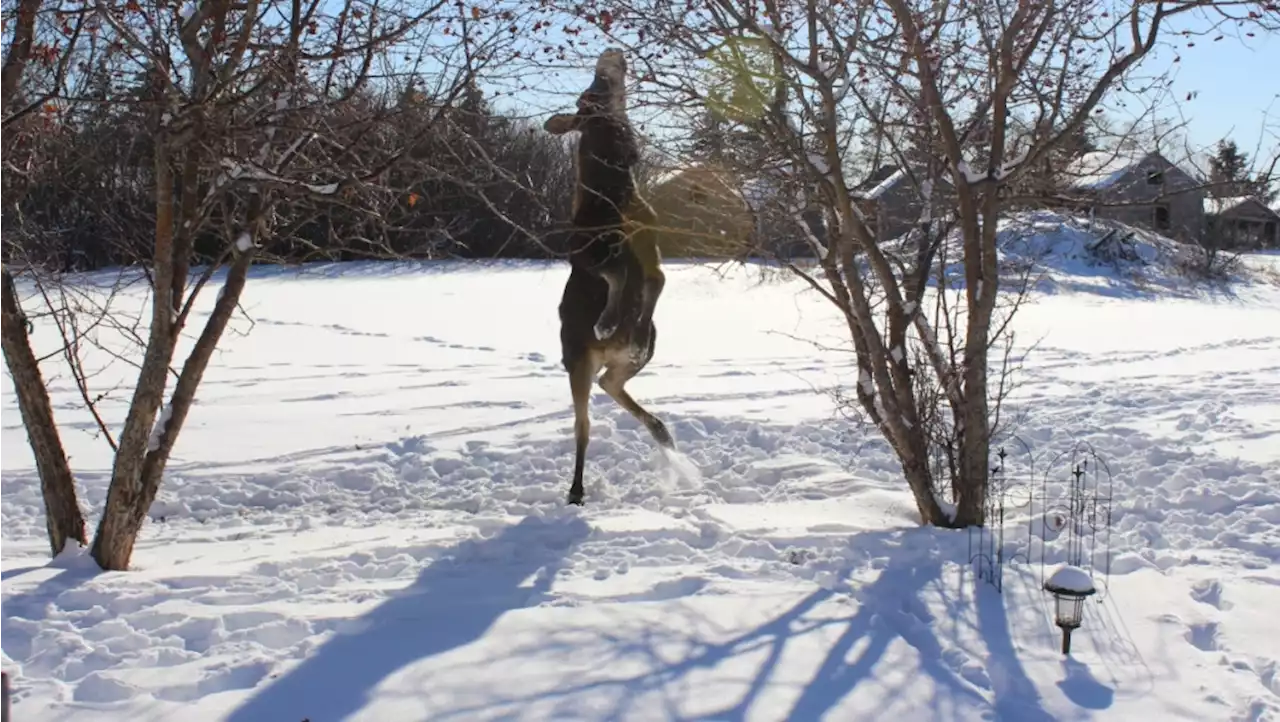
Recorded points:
(1069, 611)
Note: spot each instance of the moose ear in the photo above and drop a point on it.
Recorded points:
(561, 123)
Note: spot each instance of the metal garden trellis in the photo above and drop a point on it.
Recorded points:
(1067, 504)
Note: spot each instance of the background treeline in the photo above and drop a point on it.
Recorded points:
(79, 185)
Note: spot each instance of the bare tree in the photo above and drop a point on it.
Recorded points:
(965, 98)
(64, 519)
(259, 118)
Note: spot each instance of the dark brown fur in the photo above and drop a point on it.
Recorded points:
(606, 312)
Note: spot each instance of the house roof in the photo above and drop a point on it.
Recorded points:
(1223, 205)
(691, 170)
(1102, 169)
(876, 177)
(885, 178)
(769, 182)
(878, 183)
(1218, 206)
(709, 177)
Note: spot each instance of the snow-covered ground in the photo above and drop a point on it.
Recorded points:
(364, 520)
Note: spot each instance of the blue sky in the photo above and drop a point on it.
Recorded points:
(1235, 88)
(1233, 84)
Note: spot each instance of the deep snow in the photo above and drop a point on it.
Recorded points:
(364, 519)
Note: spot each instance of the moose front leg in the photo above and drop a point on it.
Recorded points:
(611, 317)
(649, 294)
(617, 267)
(642, 235)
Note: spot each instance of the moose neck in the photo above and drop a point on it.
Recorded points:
(607, 151)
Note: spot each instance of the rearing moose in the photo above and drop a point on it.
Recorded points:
(615, 276)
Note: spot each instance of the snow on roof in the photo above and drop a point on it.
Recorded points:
(1219, 206)
(790, 167)
(1101, 169)
(664, 176)
(819, 162)
(1104, 168)
(882, 187)
(769, 183)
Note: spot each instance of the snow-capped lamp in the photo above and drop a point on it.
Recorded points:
(1069, 586)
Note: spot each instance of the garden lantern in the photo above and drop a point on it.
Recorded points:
(1070, 586)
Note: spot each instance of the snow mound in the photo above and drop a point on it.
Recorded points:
(1056, 251)
(1066, 251)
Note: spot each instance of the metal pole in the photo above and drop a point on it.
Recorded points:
(1066, 641)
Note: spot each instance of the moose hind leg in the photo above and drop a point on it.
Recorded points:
(581, 374)
(613, 383)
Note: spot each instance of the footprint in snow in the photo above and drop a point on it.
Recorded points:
(1209, 591)
(1203, 636)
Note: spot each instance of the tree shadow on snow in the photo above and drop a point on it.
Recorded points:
(887, 612)
(865, 647)
(890, 609)
(35, 604)
(1016, 697)
(451, 604)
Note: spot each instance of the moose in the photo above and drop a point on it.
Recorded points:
(615, 274)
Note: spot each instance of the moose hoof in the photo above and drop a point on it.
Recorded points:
(640, 343)
(604, 331)
(575, 500)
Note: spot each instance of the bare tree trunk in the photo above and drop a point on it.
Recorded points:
(20, 49)
(915, 468)
(62, 510)
(982, 275)
(118, 532)
(971, 484)
(126, 496)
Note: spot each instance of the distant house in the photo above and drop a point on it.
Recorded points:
(787, 216)
(701, 213)
(891, 200)
(1141, 189)
(1242, 222)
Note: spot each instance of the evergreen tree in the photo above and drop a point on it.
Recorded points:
(1230, 177)
(1228, 172)
(1266, 189)
(725, 143)
(709, 138)
(1051, 175)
